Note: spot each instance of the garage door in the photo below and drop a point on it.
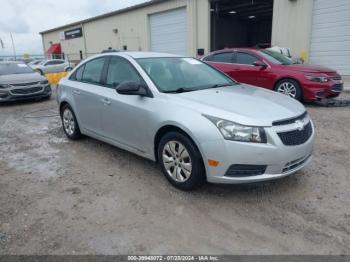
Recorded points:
(168, 32)
(330, 38)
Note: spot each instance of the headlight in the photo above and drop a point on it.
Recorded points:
(45, 82)
(236, 132)
(319, 79)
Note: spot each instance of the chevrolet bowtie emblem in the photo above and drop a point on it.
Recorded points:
(300, 125)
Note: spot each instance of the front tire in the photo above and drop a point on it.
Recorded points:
(289, 87)
(70, 123)
(181, 161)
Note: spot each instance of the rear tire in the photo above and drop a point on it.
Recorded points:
(181, 161)
(70, 123)
(290, 88)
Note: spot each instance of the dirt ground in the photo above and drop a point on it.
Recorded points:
(86, 197)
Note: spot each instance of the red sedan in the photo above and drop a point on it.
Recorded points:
(274, 71)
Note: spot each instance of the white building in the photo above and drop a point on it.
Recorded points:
(318, 30)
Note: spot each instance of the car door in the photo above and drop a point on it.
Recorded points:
(126, 118)
(88, 100)
(245, 71)
(59, 66)
(224, 62)
(49, 66)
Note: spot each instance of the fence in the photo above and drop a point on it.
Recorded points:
(74, 58)
(53, 78)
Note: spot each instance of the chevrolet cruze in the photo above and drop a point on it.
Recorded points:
(198, 123)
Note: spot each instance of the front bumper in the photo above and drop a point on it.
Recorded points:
(277, 159)
(315, 91)
(25, 93)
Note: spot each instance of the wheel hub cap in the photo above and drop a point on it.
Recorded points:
(288, 89)
(177, 161)
(68, 122)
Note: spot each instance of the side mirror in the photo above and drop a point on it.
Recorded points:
(133, 88)
(260, 64)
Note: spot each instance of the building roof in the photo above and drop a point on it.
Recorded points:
(127, 9)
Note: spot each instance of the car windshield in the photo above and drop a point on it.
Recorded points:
(180, 74)
(275, 57)
(14, 68)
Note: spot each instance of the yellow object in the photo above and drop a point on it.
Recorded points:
(54, 78)
(303, 55)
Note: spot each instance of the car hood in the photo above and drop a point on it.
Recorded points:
(243, 104)
(306, 68)
(21, 78)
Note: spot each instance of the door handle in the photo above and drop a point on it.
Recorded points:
(106, 101)
(76, 92)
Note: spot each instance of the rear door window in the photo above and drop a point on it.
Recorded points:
(221, 57)
(49, 63)
(93, 71)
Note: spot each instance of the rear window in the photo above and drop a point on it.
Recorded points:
(93, 71)
(14, 68)
(221, 57)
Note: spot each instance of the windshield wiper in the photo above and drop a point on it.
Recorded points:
(219, 85)
(179, 90)
(183, 90)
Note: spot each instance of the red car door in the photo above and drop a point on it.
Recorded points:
(245, 70)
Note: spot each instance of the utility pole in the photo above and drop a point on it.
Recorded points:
(13, 46)
(2, 48)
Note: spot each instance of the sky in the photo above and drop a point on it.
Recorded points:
(26, 18)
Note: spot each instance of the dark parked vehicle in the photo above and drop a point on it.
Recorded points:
(271, 70)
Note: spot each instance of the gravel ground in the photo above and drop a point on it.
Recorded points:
(86, 197)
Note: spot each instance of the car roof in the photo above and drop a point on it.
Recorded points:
(236, 49)
(53, 60)
(133, 55)
(137, 54)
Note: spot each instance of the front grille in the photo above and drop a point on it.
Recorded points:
(296, 137)
(26, 91)
(294, 164)
(26, 84)
(337, 87)
(290, 120)
(245, 170)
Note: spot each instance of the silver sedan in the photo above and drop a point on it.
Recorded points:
(198, 123)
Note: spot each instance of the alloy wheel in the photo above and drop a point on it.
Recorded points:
(287, 88)
(177, 161)
(68, 122)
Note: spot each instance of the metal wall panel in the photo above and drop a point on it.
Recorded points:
(168, 31)
(330, 35)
